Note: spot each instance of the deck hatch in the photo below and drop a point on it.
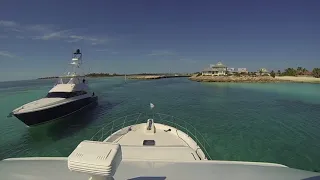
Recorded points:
(149, 142)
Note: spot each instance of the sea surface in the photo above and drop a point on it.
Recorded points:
(277, 123)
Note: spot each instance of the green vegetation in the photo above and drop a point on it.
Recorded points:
(295, 72)
(289, 72)
(316, 72)
(53, 77)
(102, 75)
(273, 74)
(279, 73)
(300, 71)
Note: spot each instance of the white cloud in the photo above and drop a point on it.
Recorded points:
(54, 35)
(92, 40)
(161, 53)
(8, 23)
(7, 54)
(48, 32)
(43, 28)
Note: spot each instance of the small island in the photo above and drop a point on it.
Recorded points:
(141, 76)
(221, 73)
(235, 79)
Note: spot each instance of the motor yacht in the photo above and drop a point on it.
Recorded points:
(69, 95)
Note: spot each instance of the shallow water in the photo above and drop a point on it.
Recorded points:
(249, 122)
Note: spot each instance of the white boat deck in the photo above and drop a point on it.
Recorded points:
(162, 138)
(172, 145)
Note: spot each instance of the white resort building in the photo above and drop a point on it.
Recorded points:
(263, 72)
(215, 70)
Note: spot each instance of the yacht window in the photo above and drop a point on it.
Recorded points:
(58, 95)
(149, 142)
(65, 94)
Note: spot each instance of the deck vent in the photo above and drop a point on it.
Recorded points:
(98, 159)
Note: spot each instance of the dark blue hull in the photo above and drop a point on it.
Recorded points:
(45, 115)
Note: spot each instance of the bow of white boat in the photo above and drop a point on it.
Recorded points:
(154, 141)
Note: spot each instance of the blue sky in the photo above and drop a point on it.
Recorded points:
(38, 36)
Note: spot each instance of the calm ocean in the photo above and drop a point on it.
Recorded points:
(277, 123)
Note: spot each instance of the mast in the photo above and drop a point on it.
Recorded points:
(76, 61)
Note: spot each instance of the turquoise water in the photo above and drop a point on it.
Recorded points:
(249, 122)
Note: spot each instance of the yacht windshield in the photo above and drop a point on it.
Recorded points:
(58, 95)
(65, 94)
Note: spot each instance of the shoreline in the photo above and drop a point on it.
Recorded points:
(132, 76)
(148, 77)
(234, 79)
(301, 79)
(257, 79)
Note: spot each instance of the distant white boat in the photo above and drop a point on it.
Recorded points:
(151, 106)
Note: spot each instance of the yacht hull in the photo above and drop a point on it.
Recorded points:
(42, 116)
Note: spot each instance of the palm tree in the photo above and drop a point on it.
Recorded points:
(279, 72)
(290, 72)
(272, 74)
(299, 70)
(304, 71)
(316, 72)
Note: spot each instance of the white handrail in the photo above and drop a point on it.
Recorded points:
(132, 119)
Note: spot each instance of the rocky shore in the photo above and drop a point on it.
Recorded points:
(235, 79)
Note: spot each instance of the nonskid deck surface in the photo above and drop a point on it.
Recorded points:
(57, 168)
(136, 136)
(168, 145)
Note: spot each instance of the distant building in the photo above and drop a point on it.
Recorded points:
(215, 70)
(263, 71)
(242, 70)
(231, 70)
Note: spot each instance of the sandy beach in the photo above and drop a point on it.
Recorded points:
(298, 79)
